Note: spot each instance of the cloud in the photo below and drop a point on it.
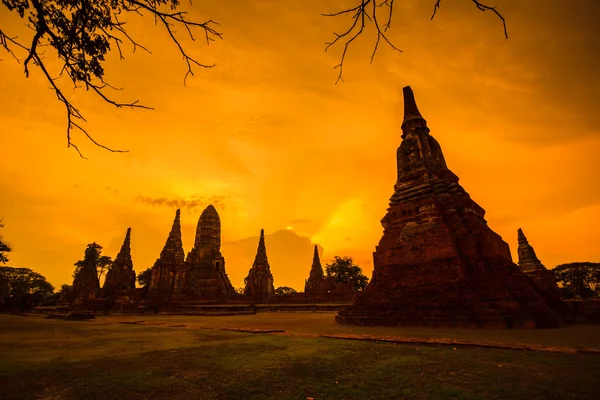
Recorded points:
(191, 204)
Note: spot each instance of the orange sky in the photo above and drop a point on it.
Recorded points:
(269, 139)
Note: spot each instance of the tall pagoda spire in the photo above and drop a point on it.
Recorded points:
(419, 154)
(438, 263)
(205, 269)
(174, 244)
(170, 262)
(527, 258)
(261, 252)
(316, 278)
(259, 282)
(126, 246)
(411, 111)
(121, 274)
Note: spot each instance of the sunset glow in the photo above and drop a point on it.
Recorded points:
(268, 139)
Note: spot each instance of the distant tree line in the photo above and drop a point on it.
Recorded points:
(578, 279)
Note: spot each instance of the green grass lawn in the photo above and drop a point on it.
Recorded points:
(323, 323)
(63, 360)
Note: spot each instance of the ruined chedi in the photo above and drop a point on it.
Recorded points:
(316, 278)
(121, 275)
(259, 282)
(534, 269)
(86, 284)
(168, 272)
(438, 263)
(205, 265)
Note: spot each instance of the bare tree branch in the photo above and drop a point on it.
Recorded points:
(359, 13)
(481, 7)
(362, 15)
(81, 32)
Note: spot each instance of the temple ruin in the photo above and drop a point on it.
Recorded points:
(536, 271)
(168, 272)
(316, 279)
(259, 282)
(86, 284)
(438, 263)
(205, 266)
(121, 275)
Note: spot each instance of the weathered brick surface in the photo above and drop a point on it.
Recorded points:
(168, 272)
(316, 277)
(121, 275)
(259, 282)
(205, 265)
(438, 263)
(533, 267)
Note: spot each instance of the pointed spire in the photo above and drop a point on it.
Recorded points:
(174, 244)
(261, 252)
(176, 228)
(316, 268)
(126, 246)
(521, 237)
(411, 111)
(527, 258)
(316, 277)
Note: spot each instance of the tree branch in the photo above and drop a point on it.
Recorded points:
(82, 32)
(481, 7)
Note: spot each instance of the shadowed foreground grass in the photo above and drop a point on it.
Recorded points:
(62, 360)
(324, 323)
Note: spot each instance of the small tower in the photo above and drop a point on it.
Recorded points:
(206, 274)
(535, 270)
(259, 282)
(121, 275)
(316, 277)
(170, 265)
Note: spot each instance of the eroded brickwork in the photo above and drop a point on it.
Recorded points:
(259, 282)
(438, 263)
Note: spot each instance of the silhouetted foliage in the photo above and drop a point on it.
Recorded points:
(4, 247)
(240, 290)
(83, 31)
(344, 270)
(93, 254)
(281, 290)
(22, 288)
(65, 294)
(144, 277)
(578, 279)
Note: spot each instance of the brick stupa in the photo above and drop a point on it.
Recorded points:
(316, 278)
(259, 282)
(86, 284)
(168, 272)
(121, 275)
(205, 271)
(438, 264)
(535, 270)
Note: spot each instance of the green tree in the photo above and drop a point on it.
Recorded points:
(22, 288)
(580, 279)
(82, 32)
(4, 247)
(93, 256)
(65, 294)
(344, 270)
(281, 290)
(144, 277)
